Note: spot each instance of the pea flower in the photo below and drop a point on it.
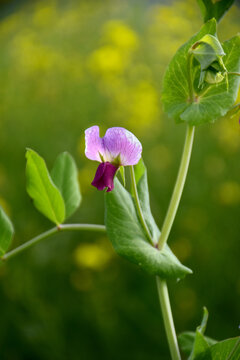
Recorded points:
(118, 147)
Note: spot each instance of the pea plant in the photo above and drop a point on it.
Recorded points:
(200, 86)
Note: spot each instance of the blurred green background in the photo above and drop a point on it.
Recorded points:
(67, 65)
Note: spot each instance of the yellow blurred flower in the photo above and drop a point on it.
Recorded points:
(228, 193)
(119, 34)
(93, 256)
(45, 14)
(227, 132)
(108, 59)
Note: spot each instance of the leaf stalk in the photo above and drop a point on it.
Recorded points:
(47, 234)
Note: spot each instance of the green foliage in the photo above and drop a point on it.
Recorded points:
(128, 237)
(40, 187)
(186, 341)
(224, 350)
(196, 343)
(217, 99)
(214, 100)
(200, 343)
(6, 232)
(200, 347)
(49, 90)
(65, 176)
(214, 9)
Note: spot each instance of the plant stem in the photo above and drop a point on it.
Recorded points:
(234, 73)
(168, 222)
(138, 205)
(189, 76)
(168, 318)
(46, 234)
(178, 189)
(161, 284)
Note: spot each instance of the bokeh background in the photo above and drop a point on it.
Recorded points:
(67, 65)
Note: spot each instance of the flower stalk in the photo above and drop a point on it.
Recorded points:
(138, 205)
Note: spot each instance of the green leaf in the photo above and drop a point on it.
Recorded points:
(186, 341)
(40, 187)
(211, 102)
(6, 232)
(214, 8)
(129, 239)
(65, 177)
(224, 350)
(200, 343)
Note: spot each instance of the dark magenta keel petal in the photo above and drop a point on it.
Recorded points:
(104, 176)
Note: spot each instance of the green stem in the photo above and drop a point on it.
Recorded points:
(178, 189)
(189, 76)
(168, 319)
(234, 73)
(138, 205)
(35, 240)
(168, 222)
(161, 284)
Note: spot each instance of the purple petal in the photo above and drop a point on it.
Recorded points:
(93, 143)
(104, 176)
(121, 142)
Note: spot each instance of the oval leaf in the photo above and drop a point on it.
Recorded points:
(6, 232)
(40, 187)
(65, 177)
(129, 239)
(211, 102)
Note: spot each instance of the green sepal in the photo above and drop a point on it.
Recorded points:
(214, 9)
(65, 176)
(6, 232)
(207, 50)
(40, 187)
(122, 174)
(128, 238)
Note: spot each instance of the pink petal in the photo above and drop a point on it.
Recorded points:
(121, 142)
(93, 143)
